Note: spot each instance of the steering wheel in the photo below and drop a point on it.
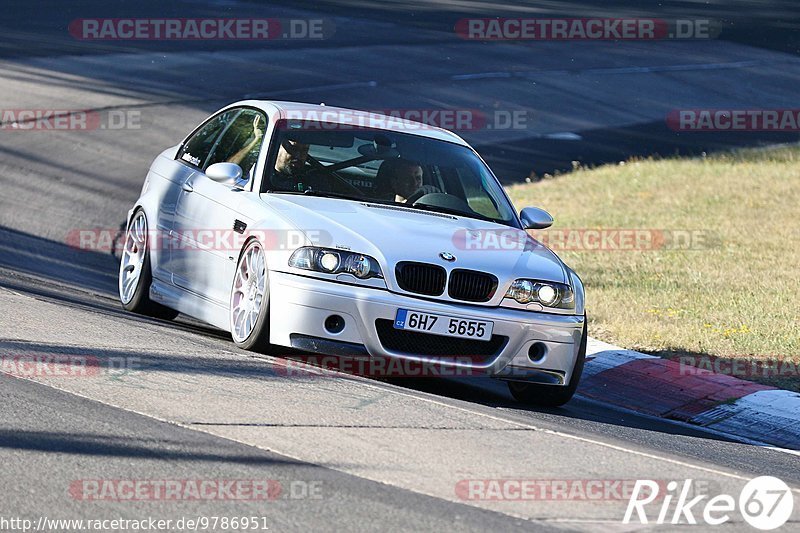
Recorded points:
(422, 191)
(446, 201)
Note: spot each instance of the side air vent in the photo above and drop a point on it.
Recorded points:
(239, 226)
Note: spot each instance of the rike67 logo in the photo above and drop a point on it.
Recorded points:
(765, 503)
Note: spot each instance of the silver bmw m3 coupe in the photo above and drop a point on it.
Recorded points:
(353, 234)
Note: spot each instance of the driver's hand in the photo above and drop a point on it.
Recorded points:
(257, 131)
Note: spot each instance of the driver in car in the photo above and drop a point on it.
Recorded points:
(406, 179)
(291, 159)
(289, 164)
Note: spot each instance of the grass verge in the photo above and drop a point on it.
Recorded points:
(715, 273)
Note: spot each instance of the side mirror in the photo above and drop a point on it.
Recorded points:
(535, 218)
(225, 173)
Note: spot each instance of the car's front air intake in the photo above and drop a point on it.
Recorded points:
(471, 286)
(426, 344)
(421, 278)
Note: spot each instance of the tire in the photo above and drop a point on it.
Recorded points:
(551, 395)
(249, 302)
(135, 274)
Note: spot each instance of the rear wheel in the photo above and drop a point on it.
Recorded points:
(249, 308)
(551, 395)
(135, 275)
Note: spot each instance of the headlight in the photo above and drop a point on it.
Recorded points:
(360, 265)
(335, 262)
(329, 261)
(556, 295)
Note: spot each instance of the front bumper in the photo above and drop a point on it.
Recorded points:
(300, 305)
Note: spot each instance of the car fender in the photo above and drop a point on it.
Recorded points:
(577, 287)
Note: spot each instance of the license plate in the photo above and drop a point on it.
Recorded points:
(443, 325)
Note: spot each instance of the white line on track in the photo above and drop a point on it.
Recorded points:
(576, 437)
(316, 88)
(524, 425)
(644, 69)
(422, 397)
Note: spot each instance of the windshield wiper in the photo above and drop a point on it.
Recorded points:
(321, 194)
(449, 211)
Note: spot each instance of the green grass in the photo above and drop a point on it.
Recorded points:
(736, 296)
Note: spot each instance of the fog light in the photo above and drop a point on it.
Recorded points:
(537, 351)
(334, 324)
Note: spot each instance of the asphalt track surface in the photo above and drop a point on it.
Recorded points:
(181, 403)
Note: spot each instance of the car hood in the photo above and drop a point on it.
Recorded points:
(394, 233)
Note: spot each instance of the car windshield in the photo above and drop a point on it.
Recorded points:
(383, 166)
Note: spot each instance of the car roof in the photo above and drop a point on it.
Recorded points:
(354, 117)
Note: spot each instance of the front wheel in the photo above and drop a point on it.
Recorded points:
(551, 395)
(249, 307)
(135, 274)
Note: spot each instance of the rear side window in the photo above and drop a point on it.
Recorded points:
(196, 150)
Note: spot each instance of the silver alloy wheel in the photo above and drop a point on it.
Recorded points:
(249, 287)
(133, 256)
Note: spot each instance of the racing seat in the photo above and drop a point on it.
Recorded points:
(383, 182)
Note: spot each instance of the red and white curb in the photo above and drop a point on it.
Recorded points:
(663, 388)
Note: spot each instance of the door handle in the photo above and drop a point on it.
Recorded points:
(187, 187)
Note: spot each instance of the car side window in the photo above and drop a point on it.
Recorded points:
(198, 147)
(241, 142)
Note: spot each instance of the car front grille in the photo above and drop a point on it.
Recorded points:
(430, 280)
(421, 278)
(471, 286)
(426, 344)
